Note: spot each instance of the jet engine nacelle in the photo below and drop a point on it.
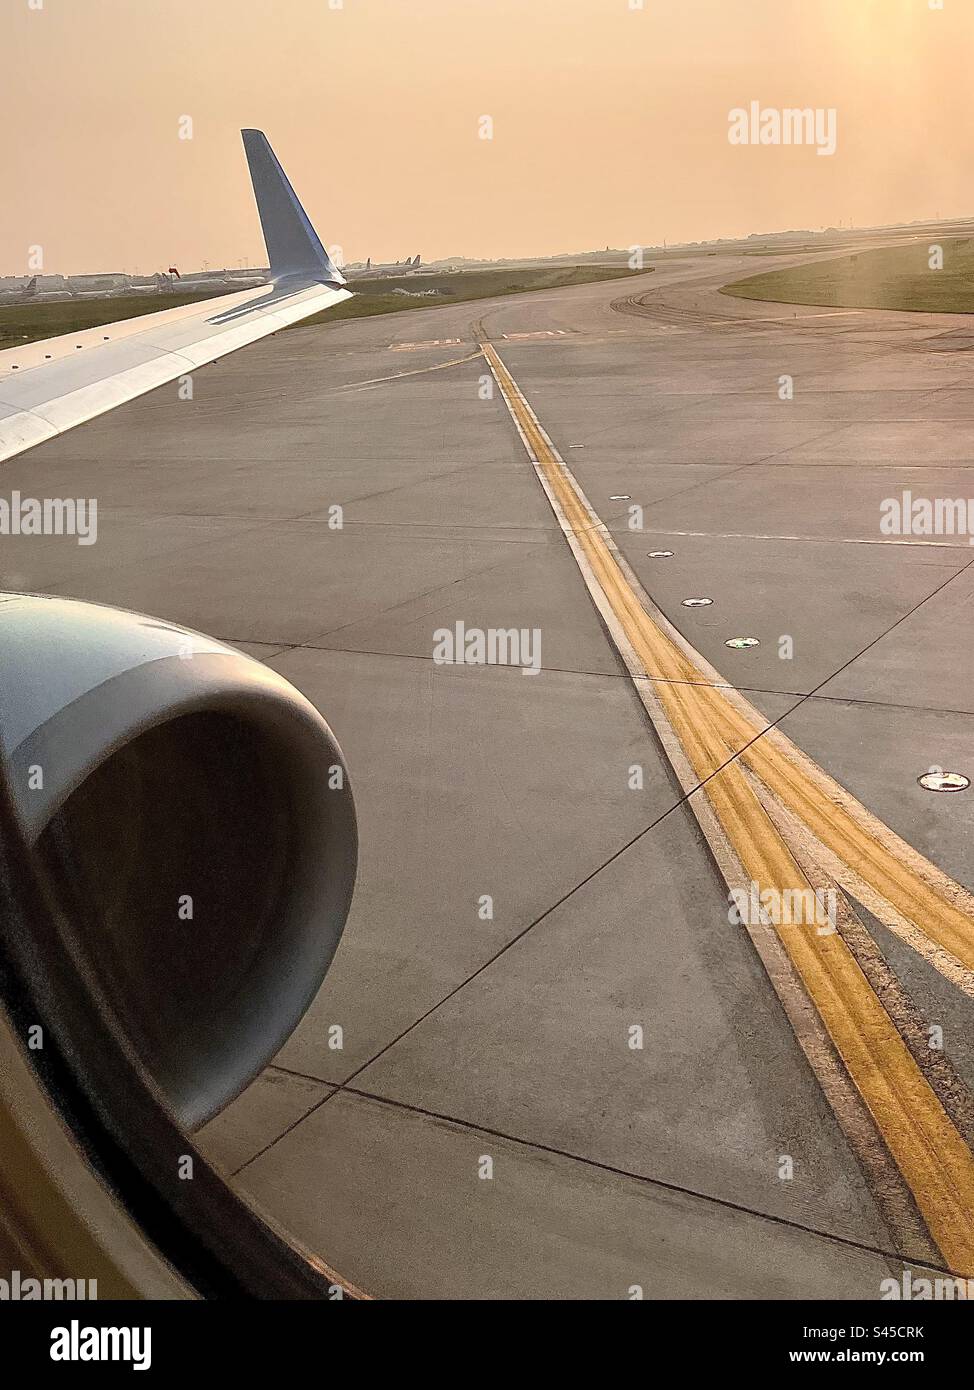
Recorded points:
(194, 810)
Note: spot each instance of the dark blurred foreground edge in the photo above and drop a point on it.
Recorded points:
(215, 1245)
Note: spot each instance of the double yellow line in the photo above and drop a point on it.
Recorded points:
(721, 736)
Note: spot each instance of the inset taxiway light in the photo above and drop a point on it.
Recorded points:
(659, 554)
(740, 643)
(697, 602)
(944, 781)
(621, 497)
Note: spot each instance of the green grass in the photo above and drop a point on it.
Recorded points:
(794, 250)
(374, 296)
(25, 323)
(892, 277)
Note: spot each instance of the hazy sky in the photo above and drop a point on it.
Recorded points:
(610, 124)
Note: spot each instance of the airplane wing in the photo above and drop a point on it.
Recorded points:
(49, 387)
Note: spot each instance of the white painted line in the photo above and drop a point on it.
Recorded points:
(418, 371)
(821, 540)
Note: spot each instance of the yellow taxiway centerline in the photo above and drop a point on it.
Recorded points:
(931, 1154)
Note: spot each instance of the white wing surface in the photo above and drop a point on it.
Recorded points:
(48, 387)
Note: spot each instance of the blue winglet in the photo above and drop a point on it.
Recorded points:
(292, 243)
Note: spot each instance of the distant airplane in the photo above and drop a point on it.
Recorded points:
(48, 387)
(389, 268)
(28, 291)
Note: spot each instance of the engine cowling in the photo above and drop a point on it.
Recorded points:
(195, 810)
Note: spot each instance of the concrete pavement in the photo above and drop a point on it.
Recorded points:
(709, 1161)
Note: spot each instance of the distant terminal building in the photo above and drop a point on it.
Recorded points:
(16, 289)
(98, 284)
(42, 283)
(226, 274)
